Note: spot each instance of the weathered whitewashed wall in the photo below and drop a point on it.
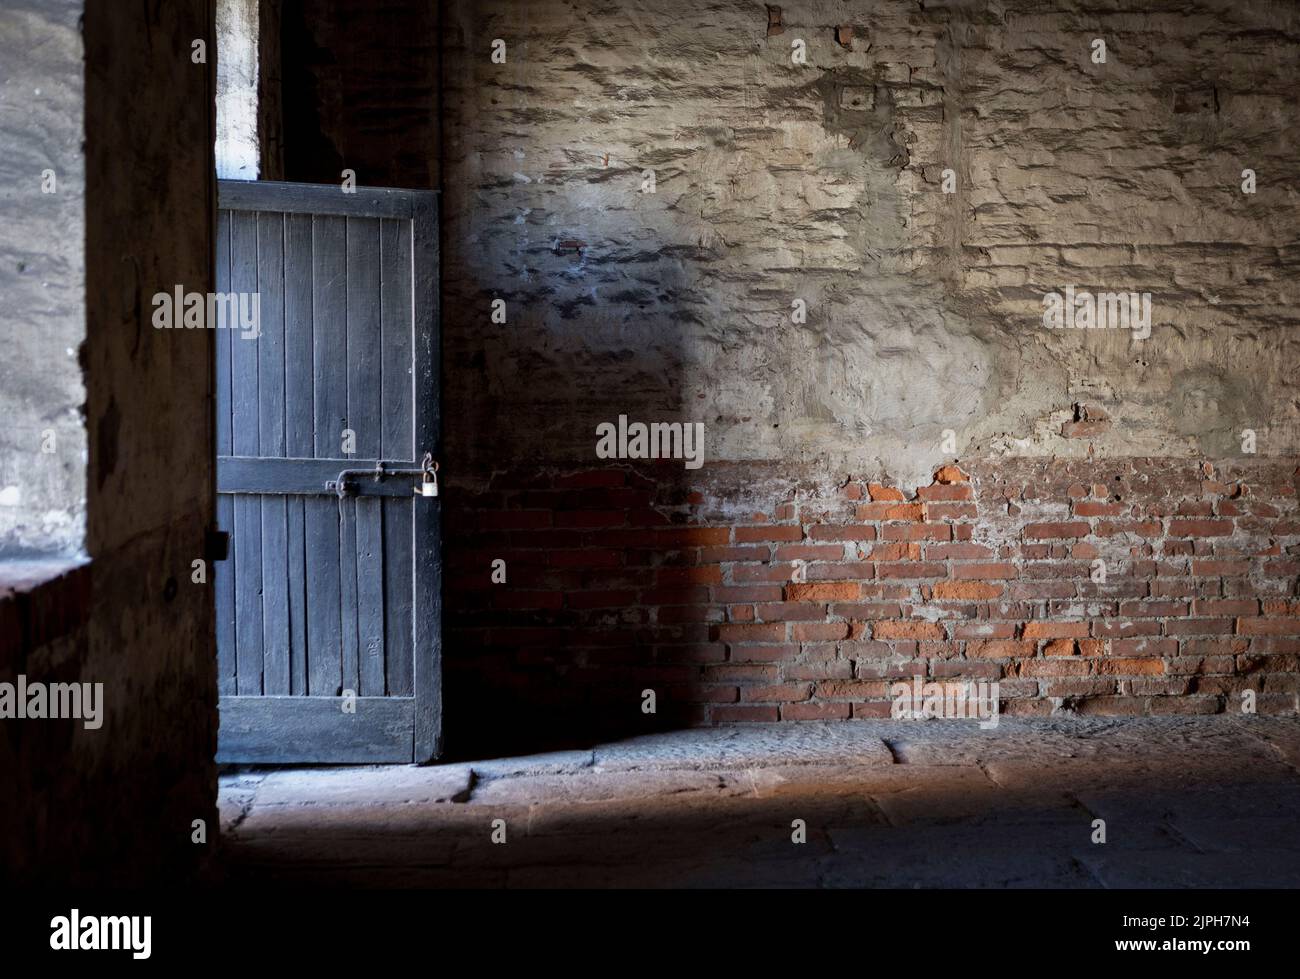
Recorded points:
(822, 182)
(42, 279)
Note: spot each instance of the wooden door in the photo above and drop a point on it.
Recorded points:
(329, 603)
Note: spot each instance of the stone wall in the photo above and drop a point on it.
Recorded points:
(42, 279)
(776, 182)
(240, 120)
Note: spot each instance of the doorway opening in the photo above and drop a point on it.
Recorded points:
(328, 431)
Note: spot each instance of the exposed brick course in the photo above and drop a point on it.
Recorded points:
(768, 627)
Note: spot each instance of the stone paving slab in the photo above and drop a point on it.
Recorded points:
(327, 822)
(953, 856)
(1175, 869)
(550, 763)
(1187, 802)
(595, 786)
(1114, 741)
(749, 747)
(365, 785)
(1284, 739)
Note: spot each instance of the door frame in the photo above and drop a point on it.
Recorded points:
(304, 724)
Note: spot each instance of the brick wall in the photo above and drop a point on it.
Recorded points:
(923, 342)
(624, 578)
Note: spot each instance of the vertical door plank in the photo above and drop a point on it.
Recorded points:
(365, 413)
(324, 641)
(329, 386)
(295, 552)
(398, 443)
(329, 323)
(396, 327)
(299, 426)
(370, 594)
(299, 396)
(399, 597)
(245, 442)
(271, 434)
(271, 342)
(348, 570)
(428, 512)
(223, 575)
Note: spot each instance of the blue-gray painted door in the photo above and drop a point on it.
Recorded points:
(328, 605)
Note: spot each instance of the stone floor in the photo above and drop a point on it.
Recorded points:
(1187, 802)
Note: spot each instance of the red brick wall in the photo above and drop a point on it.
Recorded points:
(634, 577)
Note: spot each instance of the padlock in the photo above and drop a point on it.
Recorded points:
(429, 481)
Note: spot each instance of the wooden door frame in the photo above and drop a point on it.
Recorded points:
(315, 717)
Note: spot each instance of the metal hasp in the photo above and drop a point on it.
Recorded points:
(428, 473)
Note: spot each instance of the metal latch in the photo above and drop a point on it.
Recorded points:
(344, 485)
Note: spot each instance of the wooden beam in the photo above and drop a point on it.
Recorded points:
(294, 198)
(315, 730)
(307, 477)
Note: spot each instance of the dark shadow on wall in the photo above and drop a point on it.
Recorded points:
(604, 626)
(607, 603)
(359, 92)
(562, 651)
